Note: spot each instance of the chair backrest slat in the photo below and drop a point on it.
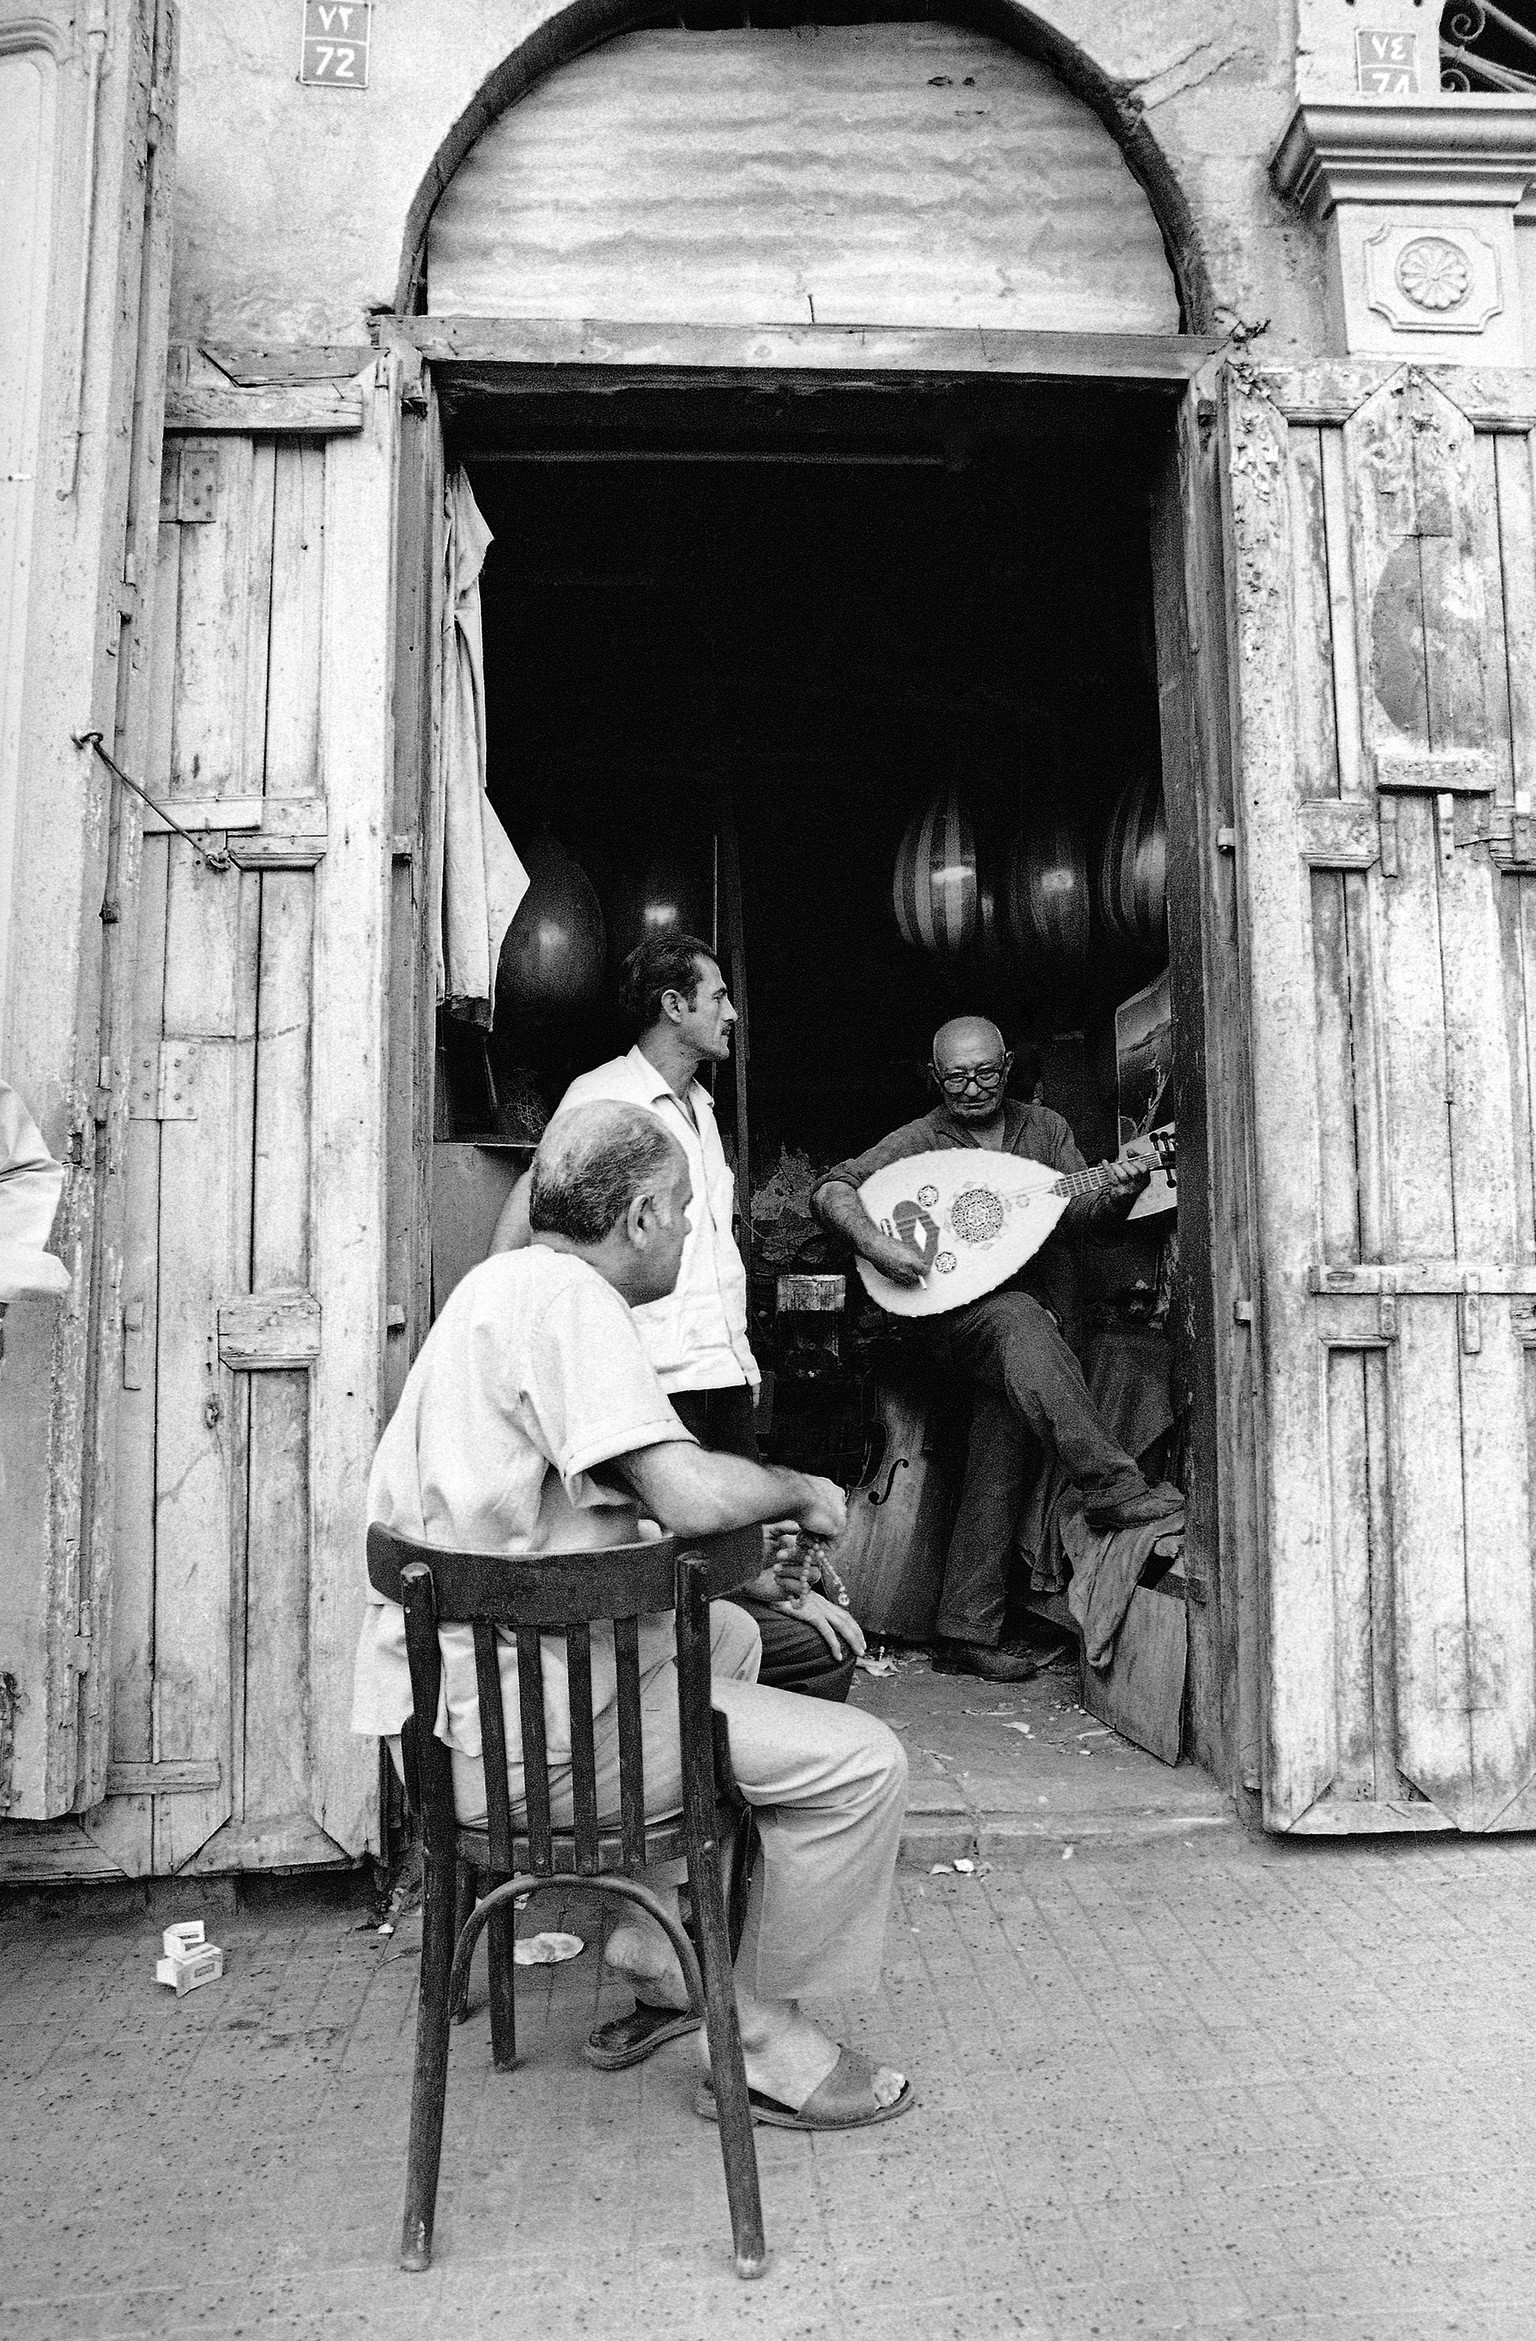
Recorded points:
(578, 1665)
(493, 1745)
(433, 1769)
(554, 1594)
(626, 1651)
(530, 1701)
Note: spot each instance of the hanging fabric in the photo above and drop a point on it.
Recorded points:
(483, 880)
(31, 1183)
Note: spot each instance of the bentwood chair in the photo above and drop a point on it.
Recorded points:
(564, 1595)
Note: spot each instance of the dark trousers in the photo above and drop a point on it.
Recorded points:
(795, 1658)
(1031, 1403)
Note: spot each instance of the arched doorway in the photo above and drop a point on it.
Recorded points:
(585, 25)
(816, 384)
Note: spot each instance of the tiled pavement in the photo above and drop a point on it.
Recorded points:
(1170, 2083)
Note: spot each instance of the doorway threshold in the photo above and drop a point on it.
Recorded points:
(1015, 1772)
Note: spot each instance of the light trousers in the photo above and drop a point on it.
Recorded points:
(828, 1786)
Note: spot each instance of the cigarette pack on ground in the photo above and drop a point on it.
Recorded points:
(185, 1970)
(185, 1937)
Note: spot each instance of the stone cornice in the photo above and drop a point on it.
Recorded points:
(1455, 149)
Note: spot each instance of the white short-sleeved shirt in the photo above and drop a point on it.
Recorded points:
(532, 1378)
(697, 1337)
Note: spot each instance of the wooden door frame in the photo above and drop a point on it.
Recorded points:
(548, 358)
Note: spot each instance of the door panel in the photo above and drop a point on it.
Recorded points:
(1381, 604)
(256, 1284)
(89, 114)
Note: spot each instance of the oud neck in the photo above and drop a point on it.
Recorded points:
(1072, 1184)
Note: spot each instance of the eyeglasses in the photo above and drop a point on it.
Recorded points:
(987, 1078)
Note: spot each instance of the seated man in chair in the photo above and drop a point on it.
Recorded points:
(674, 995)
(532, 1421)
(1010, 1346)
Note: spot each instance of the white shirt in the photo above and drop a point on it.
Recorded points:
(697, 1337)
(532, 1377)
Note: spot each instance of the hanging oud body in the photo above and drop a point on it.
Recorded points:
(975, 1217)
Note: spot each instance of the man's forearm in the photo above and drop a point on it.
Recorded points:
(837, 1206)
(702, 1494)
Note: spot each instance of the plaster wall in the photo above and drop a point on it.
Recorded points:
(292, 203)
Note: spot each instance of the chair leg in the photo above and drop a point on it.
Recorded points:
(503, 2001)
(465, 1896)
(738, 1830)
(429, 2080)
(727, 2068)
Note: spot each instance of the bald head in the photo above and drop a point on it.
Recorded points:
(967, 1040)
(970, 1064)
(591, 1165)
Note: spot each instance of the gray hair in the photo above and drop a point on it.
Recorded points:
(591, 1164)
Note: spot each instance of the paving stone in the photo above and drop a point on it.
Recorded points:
(1198, 2084)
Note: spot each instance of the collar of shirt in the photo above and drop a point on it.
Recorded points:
(658, 1090)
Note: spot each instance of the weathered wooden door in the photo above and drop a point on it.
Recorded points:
(87, 138)
(1380, 560)
(254, 1279)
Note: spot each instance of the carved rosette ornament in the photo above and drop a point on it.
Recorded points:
(1426, 279)
(1434, 273)
(1417, 197)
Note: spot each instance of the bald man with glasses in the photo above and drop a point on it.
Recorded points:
(1029, 1386)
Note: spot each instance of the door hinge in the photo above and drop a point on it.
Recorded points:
(1445, 828)
(1471, 1315)
(77, 1651)
(197, 486)
(164, 1083)
(133, 1345)
(10, 1700)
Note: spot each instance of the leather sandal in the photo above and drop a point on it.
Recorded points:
(845, 2100)
(629, 2040)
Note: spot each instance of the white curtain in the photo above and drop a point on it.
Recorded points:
(483, 880)
(31, 1183)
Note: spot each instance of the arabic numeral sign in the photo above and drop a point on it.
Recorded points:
(1387, 64)
(334, 54)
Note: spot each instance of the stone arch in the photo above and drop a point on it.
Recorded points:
(582, 25)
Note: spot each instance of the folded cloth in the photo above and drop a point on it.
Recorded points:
(1127, 1370)
(1106, 1570)
(31, 1183)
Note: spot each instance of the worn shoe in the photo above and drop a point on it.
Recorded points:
(1159, 1503)
(845, 2100)
(628, 2040)
(995, 1662)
